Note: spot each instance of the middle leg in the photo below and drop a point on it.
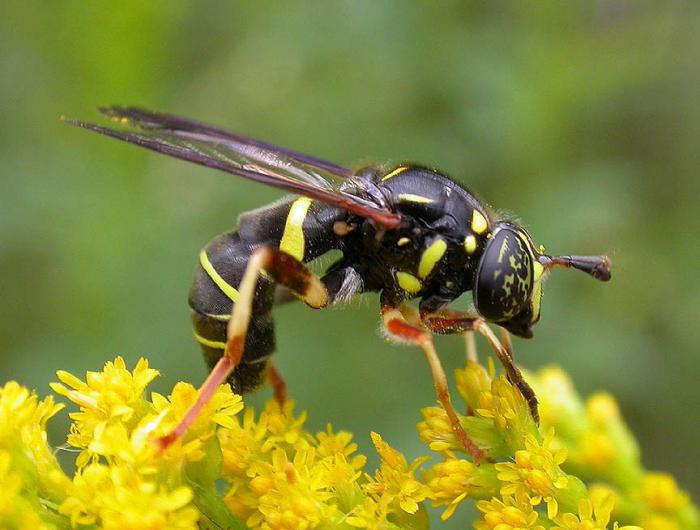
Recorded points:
(399, 327)
(449, 321)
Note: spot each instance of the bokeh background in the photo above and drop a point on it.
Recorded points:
(581, 117)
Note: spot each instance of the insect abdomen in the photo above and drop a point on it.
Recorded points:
(300, 227)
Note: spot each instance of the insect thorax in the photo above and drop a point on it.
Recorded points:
(437, 250)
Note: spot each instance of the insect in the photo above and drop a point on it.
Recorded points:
(404, 231)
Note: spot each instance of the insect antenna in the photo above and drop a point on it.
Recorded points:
(596, 266)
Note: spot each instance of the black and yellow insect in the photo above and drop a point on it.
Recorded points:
(404, 231)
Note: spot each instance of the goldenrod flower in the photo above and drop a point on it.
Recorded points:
(560, 406)
(118, 498)
(593, 514)
(660, 522)
(282, 477)
(291, 494)
(506, 407)
(454, 480)
(535, 473)
(371, 515)
(472, 381)
(16, 509)
(220, 410)
(511, 513)
(602, 409)
(26, 455)
(113, 395)
(282, 426)
(242, 443)
(598, 451)
(395, 480)
(332, 444)
(436, 431)
(660, 492)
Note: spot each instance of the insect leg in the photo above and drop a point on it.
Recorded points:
(447, 321)
(279, 387)
(398, 327)
(470, 343)
(285, 270)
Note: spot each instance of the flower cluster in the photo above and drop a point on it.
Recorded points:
(237, 469)
(535, 476)
(277, 475)
(282, 477)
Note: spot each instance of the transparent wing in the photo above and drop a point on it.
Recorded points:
(233, 153)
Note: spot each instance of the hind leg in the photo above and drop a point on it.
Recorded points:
(283, 269)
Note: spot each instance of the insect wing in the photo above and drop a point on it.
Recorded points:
(239, 155)
(283, 159)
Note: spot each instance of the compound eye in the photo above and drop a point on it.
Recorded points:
(504, 278)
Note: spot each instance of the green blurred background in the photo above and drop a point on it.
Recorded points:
(581, 117)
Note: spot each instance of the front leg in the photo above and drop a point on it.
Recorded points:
(399, 328)
(447, 321)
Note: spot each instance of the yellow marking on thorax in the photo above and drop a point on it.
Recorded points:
(412, 197)
(223, 317)
(430, 257)
(227, 289)
(403, 241)
(536, 302)
(408, 282)
(293, 237)
(470, 244)
(209, 343)
(398, 170)
(479, 223)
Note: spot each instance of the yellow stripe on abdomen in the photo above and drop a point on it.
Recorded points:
(292, 241)
(209, 343)
(226, 288)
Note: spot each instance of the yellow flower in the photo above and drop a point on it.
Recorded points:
(282, 426)
(661, 493)
(511, 513)
(242, 443)
(659, 522)
(602, 410)
(597, 451)
(117, 498)
(248, 441)
(16, 510)
(535, 473)
(472, 381)
(291, 494)
(506, 407)
(451, 482)
(23, 428)
(593, 514)
(341, 467)
(370, 515)
(19, 409)
(115, 394)
(220, 410)
(394, 480)
(559, 402)
(436, 431)
(332, 444)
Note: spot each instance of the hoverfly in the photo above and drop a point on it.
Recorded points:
(404, 231)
